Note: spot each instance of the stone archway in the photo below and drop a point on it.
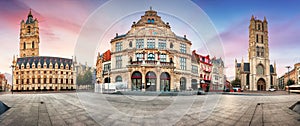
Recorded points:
(261, 85)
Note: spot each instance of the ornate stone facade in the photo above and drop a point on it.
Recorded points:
(29, 37)
(218, 77)
(258, 74)
(3, 83)
(150, 57)
(33, 72)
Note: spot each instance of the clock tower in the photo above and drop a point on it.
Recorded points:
(29, 37)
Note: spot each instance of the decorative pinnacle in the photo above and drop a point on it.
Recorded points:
(150, 7)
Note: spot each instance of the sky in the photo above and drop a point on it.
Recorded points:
(61, 24)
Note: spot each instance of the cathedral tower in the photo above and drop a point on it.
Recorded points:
(258, 74)
(29, 37)
(259, 54)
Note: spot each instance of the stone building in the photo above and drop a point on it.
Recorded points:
(293, 74)
(33, 72)
(257, 74)
(204, 68)
(150, 57)
(3, 83)
(218, 77)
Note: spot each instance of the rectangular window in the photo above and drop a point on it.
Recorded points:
(106, 67)
(182, 63)
(139, 43)
(163, 58)
(162, 44)
(151, 43)
(118, 61)
(139, 56)
(118, 46)
(182, 48)
(194, 69)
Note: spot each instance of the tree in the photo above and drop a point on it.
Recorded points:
(87, 77)
(236, 82)
(290, 82)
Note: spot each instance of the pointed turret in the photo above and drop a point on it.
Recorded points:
(274, 66)
(29, 14)
(265, 19)
(252, 17)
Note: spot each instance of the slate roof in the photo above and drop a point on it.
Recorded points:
(43, 59)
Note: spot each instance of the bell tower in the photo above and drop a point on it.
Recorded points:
(29, 37)
(259, 54)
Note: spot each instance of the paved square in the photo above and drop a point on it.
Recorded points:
(86, 108)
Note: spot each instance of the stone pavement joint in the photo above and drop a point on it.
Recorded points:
(86, 108)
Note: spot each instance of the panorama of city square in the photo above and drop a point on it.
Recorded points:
(142, 62)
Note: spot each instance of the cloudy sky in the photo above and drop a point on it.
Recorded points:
(61, 23)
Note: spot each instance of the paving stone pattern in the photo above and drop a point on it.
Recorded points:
(86, 108)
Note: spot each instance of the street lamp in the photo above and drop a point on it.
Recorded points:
(288, 67)
(12, 78)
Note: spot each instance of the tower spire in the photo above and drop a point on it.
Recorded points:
(29, 14)
(265, 19)
(252, 18)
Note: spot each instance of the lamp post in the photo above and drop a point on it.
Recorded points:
(12, 78)
(288, 67)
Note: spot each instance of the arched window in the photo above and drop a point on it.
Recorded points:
(152, 20)
(258, 27)
(262, 39)
(256, 37)
(130, 44)
(118, 79)
(149, 21)
(260, 69)
(151, 56)
(28, 29)
(32, 44)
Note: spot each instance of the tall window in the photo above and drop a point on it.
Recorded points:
(260, 70)
(182, 48)
(256, 37)
(151, 56)
(139, 43)
(257, 50)
(262, 39)
(106, 67)
(262, 51)
(118, 46)
(258, 27)
(162, 44)
(151, 43)
(163, 57)
(24, 45)
(182, 63)
(139, 56)
(194, 69)
(118, 61)
(32, 44)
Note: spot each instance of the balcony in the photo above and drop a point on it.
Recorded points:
(150, 63)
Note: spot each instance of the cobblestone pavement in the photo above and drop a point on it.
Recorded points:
(86, 108)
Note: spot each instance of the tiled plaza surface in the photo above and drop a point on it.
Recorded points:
(86, 108)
